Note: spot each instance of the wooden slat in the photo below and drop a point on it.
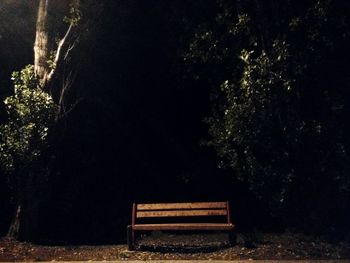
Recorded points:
(175, 213)
(196, 205)
(188, 226)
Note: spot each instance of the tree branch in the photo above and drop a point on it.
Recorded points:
(58, 51)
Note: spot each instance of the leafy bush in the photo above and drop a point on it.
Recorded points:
(31, 111)
(278, 104)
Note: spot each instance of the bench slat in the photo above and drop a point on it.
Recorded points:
(188, 226)
(196, 205)
(183, 213)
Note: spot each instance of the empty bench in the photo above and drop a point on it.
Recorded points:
(207, 211)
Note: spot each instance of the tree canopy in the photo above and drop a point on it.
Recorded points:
(280, 96)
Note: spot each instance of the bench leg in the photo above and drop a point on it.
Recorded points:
(232, 237)
(130, 238)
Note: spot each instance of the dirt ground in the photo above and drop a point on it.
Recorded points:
(186, 247)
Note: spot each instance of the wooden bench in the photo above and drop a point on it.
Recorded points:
(206, 210)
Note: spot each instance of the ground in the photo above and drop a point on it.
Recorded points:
(185, 247)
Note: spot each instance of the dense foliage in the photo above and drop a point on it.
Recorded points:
(31, 112)
(280, 98)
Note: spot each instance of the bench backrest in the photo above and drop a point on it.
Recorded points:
(196, 209)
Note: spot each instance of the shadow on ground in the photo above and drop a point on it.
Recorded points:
(181, 249)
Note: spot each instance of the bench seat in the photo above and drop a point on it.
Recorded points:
(208, 211)
(184, 226)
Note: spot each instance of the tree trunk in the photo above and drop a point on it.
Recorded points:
(13, 231)
(41, 67)
(24, 225)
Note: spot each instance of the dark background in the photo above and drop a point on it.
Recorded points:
(135, 136)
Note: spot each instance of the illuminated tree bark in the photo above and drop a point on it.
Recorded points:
(43, 70)
(41, 44)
